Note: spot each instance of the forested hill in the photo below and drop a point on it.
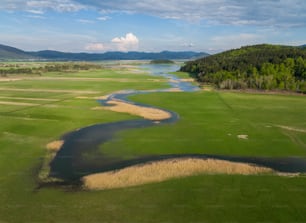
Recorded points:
(259, 66)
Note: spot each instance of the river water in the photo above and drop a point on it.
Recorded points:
(71, 162)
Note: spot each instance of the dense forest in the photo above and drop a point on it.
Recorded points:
(266, 67)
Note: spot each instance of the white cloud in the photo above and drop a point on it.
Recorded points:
(129, 42)
(95, 47)
(286, 13)
(85, 21)
(57, 5)
(103, 18)
(278, 13)
(190, 45)
(11, 5)
(36, 16)
(41, 5)
(38, 12)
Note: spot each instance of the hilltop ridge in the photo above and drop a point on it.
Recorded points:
(264, 66)
(11, 53)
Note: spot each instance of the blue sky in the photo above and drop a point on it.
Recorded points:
(150, 25)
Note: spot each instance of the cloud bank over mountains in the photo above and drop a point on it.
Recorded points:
(129, 42)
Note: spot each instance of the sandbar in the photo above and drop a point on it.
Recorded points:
(159, 171)
(145, 112)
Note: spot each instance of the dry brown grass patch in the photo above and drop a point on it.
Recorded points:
(174, 90)
(17, 103)
(167, 169)
(52, 149)
(147, 113)
(55, 145)
(82, 97)
(10, 79)
(49, 90)
(104, 97)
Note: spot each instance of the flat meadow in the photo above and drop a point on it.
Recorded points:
(35, 110)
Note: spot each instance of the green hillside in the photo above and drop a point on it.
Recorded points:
(262, 66)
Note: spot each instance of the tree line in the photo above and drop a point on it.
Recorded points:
(6, 70)
(265, 67)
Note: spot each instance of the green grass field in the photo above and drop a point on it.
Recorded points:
(210, 123)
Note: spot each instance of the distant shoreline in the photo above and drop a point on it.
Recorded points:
(257, 91)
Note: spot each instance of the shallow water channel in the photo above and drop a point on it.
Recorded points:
(70, 163)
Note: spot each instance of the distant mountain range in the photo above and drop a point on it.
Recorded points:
(8, 53)
(11, 53)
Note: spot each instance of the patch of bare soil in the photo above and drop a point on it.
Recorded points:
(242, 136)
(167, 169)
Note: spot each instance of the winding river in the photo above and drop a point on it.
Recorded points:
(70, 163)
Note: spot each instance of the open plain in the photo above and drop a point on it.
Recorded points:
(36, 112)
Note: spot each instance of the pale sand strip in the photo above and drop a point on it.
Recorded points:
(49, 90)
(32, 119)
(104, 97)
(167, 169)
(83, 79)
(187, 80)
(118, 79)
(30, 99)
(10, 79)
(147, 113)
(174, 90)
(291, 128)
(17, 103)
(83, 97)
